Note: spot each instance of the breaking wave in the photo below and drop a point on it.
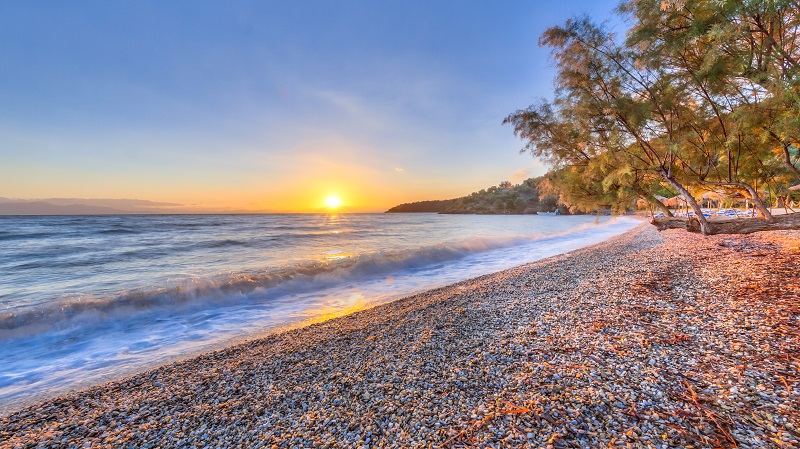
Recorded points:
(190, 294)
(79, 305)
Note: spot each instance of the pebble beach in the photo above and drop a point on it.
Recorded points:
(652, 340)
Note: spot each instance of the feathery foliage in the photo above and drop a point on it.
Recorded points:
(701, 95)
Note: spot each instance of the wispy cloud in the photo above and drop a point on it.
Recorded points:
(520, 175)
(399, 169)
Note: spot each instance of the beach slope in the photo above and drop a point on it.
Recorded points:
(651, 340)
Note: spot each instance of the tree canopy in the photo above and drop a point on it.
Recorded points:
(699, 96)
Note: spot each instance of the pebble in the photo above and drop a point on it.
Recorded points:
(646, 340)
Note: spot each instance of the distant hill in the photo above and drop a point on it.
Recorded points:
(505, 198)
(109, 206)
(44, 208)
(423, 206)
(114, 203)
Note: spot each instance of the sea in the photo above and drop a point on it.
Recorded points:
(88, 299)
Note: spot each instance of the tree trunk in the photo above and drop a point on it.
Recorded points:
(757, 201)
(787, 158)
(701, 219)
(736, 226)
(663, 207)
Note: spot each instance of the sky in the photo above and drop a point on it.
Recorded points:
(269, 105)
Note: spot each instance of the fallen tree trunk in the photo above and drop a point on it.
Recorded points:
(730, 226)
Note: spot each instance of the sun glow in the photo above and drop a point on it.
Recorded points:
(333, 202)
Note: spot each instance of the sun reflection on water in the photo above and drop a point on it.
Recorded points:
(337, 254)
(335, 309)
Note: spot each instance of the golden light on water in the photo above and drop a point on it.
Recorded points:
(341, 307)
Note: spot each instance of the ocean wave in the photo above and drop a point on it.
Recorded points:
(197, 293)
(71, 258)
(119, 231)
(191, 225)
(235, 287)
(223, 243)
(8, 236)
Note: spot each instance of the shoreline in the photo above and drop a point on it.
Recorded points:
(68, 345)
(591, 347)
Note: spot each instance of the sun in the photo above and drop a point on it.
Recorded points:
(333, 202)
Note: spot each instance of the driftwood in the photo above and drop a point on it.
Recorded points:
(730, 226)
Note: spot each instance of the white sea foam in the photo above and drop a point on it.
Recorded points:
(91, 336)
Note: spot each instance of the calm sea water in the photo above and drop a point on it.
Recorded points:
(84, 299)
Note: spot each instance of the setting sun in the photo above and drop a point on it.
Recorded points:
(333, 202)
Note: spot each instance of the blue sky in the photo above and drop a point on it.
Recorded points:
(269, 105)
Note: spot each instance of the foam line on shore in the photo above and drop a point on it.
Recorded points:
(574, 350)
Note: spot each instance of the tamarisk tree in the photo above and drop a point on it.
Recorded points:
(701, 95)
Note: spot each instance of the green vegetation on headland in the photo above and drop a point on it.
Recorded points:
(530, 197)
(701, 97)
(423, 206)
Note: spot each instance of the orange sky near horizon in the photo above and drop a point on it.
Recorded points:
(361, 187)
(270, 106)
(240, 176)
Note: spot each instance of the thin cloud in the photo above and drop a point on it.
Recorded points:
(399, 169)
(520, 175)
